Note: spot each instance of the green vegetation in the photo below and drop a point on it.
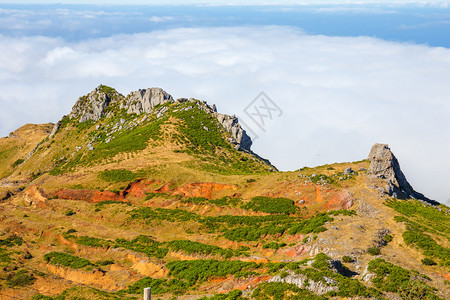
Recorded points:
(126, 141)
(109, 202)
(159, 286)
(422, 219)
(232, 295)
(271, 205)
(20, 278)
(274, 245)
(18, 162)
(224, 201)
(198, 271)
(69, 212)
(117, 175)
(412, 236)
(407, 284)
(374, 251)
(66, 260)
(11, 241)
(171, 215)
(347, 259)
(242, 228)
(143, 244)
(191, 247)
(428, 261)
(203, 136)
(282, 290)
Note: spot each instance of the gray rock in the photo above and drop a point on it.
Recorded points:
(384, 165)
(55, 128)
(238, 134)
(93, 105)
(145, 100)
(348, 171)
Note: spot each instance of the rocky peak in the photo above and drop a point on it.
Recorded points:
(143, 101)
(384, 165)
(93, 105)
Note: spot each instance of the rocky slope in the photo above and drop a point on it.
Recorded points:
(137, 191)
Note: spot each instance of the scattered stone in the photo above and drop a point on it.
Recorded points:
(348, 171)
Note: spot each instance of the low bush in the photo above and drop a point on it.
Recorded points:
(274, 245)
(282, 290)
(374, 251)
(271, 205)
(66, 260)
(18, 162)
(117, 175)
(347, 259)
(198, 271)
(428, 261)
(11, 241)
(232, 295)
(392, 278)
(20, 278)
(143, 244)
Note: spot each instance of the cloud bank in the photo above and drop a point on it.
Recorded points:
(339, 95)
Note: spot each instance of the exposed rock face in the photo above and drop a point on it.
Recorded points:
(384, 165)
(143, 101)
(231, 124)
(93, 105)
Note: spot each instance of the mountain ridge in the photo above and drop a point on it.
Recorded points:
(127, 192)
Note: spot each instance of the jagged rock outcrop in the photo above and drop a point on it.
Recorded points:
(384, 165)
(143, 101)
(93, 105)
(238, 134)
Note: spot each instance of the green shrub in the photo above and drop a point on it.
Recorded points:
(191, 247)
(232, 295)
(281, 290)
(117, 175)
(274, 245)
(11, 241)
(20, 278)
(69, 212)
(392, 278)
(105, 262)
(159, 286)
(271, 205)
(18, 162)
(428, 261)
(143, 244)
(374, 251)
(347, 259)
(198, 271)
(67, 260)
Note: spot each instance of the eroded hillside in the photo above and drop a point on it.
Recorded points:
(147, 191)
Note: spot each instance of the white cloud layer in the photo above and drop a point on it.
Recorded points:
(338, 95)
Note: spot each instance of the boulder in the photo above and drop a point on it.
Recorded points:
(143, 101)
(384, 165)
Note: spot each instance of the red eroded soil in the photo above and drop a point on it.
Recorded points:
(92, 196)
(203, 189)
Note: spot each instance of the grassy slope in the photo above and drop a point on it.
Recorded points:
(168, 230)
(20, 142)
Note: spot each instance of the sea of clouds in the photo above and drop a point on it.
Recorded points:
(338, 95)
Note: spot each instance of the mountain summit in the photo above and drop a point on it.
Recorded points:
(137, 191)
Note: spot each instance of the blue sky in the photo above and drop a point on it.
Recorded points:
(345, 75)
